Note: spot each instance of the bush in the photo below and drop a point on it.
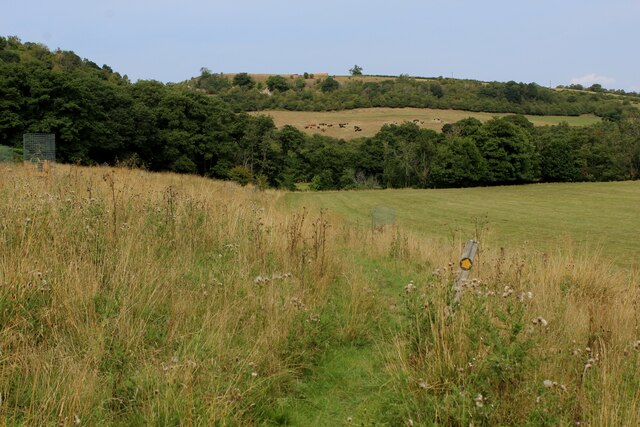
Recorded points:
(241, 174)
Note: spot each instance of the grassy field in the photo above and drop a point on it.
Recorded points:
(130, 298)
(594, 215)
(370, 120)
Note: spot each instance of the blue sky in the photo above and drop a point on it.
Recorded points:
(557, 42)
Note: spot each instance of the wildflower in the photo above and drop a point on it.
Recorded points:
(409, 422)
(540, 321)
(548, 383)
(76, 419)
(422, 384)
(254, 374)
(525, 296)
(479, 400)
(410, 287)
(349, 420)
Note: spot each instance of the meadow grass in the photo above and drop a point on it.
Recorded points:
(370, 120)
(132, 298)
(589, 216)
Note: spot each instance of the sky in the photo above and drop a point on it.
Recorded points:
(548, 42)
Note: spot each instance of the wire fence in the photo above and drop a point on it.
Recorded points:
(39, 151)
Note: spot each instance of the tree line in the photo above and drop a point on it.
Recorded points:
(99, 116)
(243, 93)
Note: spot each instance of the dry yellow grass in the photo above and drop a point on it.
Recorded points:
(370, 120)
(126, 295)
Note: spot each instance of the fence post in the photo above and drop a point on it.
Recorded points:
(466, 262)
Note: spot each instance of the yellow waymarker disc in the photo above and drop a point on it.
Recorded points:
(466, 263)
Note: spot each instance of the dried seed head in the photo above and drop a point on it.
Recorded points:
(548, 383)
(540, 321)
(479, 400)
(409, 288)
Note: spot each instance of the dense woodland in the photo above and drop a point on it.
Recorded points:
(99, 116)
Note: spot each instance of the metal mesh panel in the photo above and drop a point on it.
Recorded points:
(39, 149)
(381, 216)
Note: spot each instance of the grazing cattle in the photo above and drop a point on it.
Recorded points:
(357, 129)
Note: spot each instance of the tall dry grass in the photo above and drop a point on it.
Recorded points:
(135, 298)
(130, 298)
(538, 339)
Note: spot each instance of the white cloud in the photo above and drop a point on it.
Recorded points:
(592, 78)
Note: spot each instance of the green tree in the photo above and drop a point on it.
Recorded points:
(277, 84)
(329, 85)
(436, 90)
(356, 70)
(213, 83)
(243, 80)
(458, 163)
(508, 151)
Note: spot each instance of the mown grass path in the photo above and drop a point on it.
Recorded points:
(351, 383)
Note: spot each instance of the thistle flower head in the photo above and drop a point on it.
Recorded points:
(540, 321)
(410, 288)
(479, 400)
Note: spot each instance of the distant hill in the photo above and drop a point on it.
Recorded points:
(418, 132)
(320, 92)
(366, 122)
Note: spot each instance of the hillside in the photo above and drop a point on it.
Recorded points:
(366, 122)
(202, 127)
(309, 92)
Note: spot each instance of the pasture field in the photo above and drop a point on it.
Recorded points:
(592, 216)
(130, 298)
(370, 120)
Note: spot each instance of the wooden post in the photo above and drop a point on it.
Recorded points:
(466, 262)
